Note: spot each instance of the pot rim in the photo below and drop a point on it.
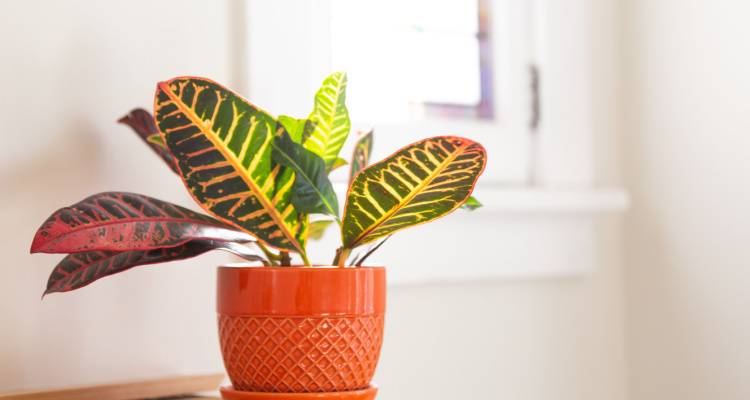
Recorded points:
(315, 267)
(323, 290)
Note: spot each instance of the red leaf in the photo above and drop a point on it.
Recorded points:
(144, 125)
(80, 269)
(118, 221)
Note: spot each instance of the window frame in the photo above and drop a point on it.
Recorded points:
(538, 185)
(542, 33)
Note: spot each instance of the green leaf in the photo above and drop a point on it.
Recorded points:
(471, 204)
(298, 128)
(223, 144)
(340, 162)
(417, 184)
(331, 118)
(318, 228)
(313, 192)
(361, 153)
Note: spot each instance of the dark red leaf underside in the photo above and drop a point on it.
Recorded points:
(80, 269)
(142, 122)
(119, 221)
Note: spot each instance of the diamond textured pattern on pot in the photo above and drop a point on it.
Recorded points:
(300, 354)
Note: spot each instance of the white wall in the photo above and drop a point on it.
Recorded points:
(79, 65)
(687, 160)
(69, 70)
(556, 339)
(538, 339)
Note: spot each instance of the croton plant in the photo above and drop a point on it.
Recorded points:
(264, 180)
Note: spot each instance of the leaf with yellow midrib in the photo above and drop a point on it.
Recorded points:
(222, 144)
(417, 184)
(331, 119)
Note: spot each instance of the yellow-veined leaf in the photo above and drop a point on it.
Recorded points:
(417, 184)
(298, 128)
(331, 119)
(361, 153)
(223, 146)
(340, 162)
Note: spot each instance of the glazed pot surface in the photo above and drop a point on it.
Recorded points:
(300, 329)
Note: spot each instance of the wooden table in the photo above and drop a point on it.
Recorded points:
(180, 387)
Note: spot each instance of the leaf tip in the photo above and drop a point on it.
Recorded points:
(164, 85)
(127, 118)
(36, 244)
(471, 204)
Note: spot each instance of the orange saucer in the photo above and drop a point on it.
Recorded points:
(228, 393)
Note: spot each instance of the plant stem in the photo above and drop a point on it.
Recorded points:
(341, 255)
(305, 259)
(245, 252)
(284, 258)
(271, 257)
(370, 251)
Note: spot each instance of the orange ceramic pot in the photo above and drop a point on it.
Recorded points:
(300, 329)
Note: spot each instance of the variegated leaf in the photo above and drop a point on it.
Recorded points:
(417, 184)
(80, 269)
(340, 162)
(142, 122)
(223, 146)
(298, 128)
(331, 118)
(361, 153)
(119, 221)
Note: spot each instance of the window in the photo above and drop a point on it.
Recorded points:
(550, 203)
(422, 68)
(398, 42)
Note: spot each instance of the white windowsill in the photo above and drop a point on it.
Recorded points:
(513, 224)
(529, 199)
(553, 200)
(504, 234)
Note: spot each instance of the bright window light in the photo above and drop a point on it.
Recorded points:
(408, 58)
